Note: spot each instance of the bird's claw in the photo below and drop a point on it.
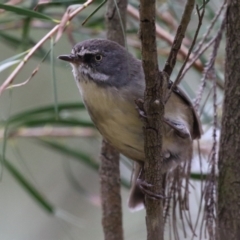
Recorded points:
(146, 189)
(140, 108)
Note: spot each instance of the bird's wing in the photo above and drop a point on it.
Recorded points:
(197, 126)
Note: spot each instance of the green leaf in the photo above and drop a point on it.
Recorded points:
(61, 3)
(79, 155)
(50, 110)
(198, 176)
(8, 64)
(10, 40)
(26, 12)
(15, 42)
(46, 117)
(13, 58)
(101, 4)
(25, 33)
(54, 121)
(54, 80)
(27, 186)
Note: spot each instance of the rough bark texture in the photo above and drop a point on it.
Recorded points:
(186, 17)
(115, 25)
(229, 153)
(154, 109)
(110, 193)
(109, 171)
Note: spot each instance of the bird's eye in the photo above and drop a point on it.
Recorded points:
(98, 58)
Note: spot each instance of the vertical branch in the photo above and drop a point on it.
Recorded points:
(110, 193)
(115, 25)
(154, 105)
(229, 150)
(210, 188)
(186, 17)
(154, 109)
(171, 61)
(109, 171)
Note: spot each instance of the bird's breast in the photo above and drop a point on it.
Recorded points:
(115, 117)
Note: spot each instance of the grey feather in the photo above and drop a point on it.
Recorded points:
(109, 84)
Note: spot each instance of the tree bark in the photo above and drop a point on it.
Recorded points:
(110, 193)
(229, 153)
(116, 26)
(109, 171)
(154, 109)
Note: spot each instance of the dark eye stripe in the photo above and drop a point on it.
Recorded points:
(87, 57)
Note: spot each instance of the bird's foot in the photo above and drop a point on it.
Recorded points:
(140, 108)
(146, 190)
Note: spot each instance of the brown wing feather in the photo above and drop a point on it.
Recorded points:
(197, 126)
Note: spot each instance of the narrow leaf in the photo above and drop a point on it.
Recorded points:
(54, 80)
(101, 4)
(8, 64)
(26, 12)
(79, 155)
(45, 110)
(15, 57)
(28, 186)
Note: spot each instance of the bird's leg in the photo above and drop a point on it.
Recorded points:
(146, 188)
(140, 109)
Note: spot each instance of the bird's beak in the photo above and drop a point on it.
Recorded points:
(68, 58)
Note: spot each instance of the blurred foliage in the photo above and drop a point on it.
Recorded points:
(24, 23)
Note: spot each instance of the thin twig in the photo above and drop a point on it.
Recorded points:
(199, 51)
(205, 102)
(12, 76)
(201, 191)
(171, 61)
(100, 5)
(166, 36)
(210, 27)
(211, 198)
(178, 78)
(34, 72)
(210, 63)
(210, 191)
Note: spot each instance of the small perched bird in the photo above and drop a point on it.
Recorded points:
(110, 79)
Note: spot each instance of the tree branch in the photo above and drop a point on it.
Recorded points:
(171, 61)
(109, 171)
(210, 63)
(154, 109)
(12, 76)
(199, 49)
(178, 78)
(110, 193)
(164, 35)
(229, 149)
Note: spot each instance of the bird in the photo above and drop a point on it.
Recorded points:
(110, 80)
